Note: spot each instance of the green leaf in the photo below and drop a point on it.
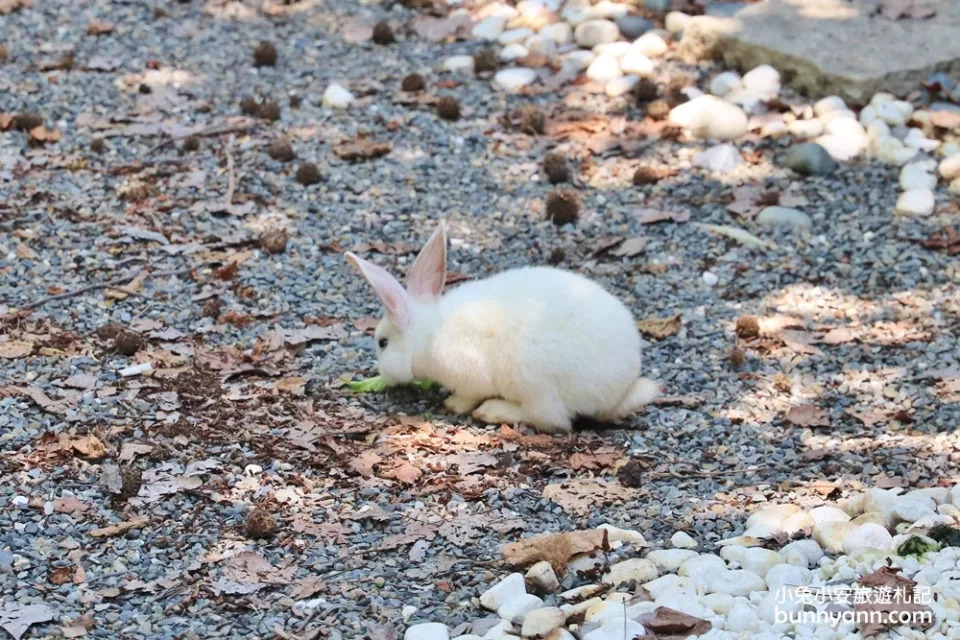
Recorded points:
(376, 384)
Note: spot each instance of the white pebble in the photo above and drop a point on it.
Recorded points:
(721, 158)
(805, 129)
(891, 151)
(513, 52)
(514, 78)
(741, 618)
(577, 60)
(337, 97)
(676, 21)
(635, 63)
(867, 536)
(638, 569)
(736, 582)
(427, 631)
(828, 104)
(510, 587)
(671, 559)
(593, 32)
(783, 216)
(458, 64)
(620, 86)
(489, 29)
(682, 540)
(916, 202)
(651, 45)
(724, 83)
(543, 575)
(604, 68)
(710, 278)
(710, 117)
(559, 32)
(514, 35)
(517, 607)
(541, 45)
(762, 79)
(949, 168)
(917, 175)
(542, 621)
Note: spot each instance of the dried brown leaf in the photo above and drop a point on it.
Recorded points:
(404, 472)
(360, 149)
(808, 415)
(660, 328)
(117, 529)
(650, 216)
(15, 349)
(364, 463)
(555, 548)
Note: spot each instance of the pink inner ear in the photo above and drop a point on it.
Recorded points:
(395, 299)
(429, 271)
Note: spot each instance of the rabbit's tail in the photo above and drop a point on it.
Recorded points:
(641, 393)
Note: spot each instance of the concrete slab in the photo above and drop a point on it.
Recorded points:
(842, 47)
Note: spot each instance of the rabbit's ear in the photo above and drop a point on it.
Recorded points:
(394, 297)
(429, 271)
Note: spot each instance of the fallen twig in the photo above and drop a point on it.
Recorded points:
(231, 175)
(104, 285)
(237, 127)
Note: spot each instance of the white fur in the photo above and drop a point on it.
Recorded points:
(537, 345)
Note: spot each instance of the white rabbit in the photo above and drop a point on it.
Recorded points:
(536, 345)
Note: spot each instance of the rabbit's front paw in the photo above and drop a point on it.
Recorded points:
(460, 404)
(498, 411)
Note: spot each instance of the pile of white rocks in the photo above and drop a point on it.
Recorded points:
(740, 591)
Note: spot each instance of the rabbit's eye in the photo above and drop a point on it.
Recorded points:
(382, 343)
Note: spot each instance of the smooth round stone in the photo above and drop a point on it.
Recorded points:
(916, 202)
(949, 167)
(620, 86)
(682, 540)
(805, 129)
(889, 113)
(650, 45)
(337, 96)
(916, 140)
(540, 622)
(616, 534)
(542, 575)
(671, 559)
(787, 575)
(541, 45)
(759, 560)
(891, 151)
(710, 278)
(593, 32)
(665, 583)
(828, 104)
(676, 21)
(427, 631)
(721, 158)
(939, 495)
(510, 587)
(514, 78)
(604, 68)
(830, 535)
(639, 569)
(458, 64)
(741, 618)
(774, 129)
(762, 79)
(735, 582)
(868, 114)
(710, 117)
(516, 608)
(617, 629)
(803, 553)
(867, 536)
(810, 159)
(615, 49)
(497, 9)
(724, 83)
(577, 60)
(657, 5)
(559, 32)
(913, 509)
(839, 113)
(917, 175)
(844, 139)
(719, 603)
(513, 52)
(828, 514)
(635, 63)
(784, 217)
(489, 29)
(633, 27)
(514, 35)
(608, 9)
(877, 129)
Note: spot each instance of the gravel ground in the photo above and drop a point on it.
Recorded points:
(378, 510)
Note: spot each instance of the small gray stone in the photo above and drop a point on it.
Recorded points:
(632, 27)
(657, 5)
(810, 159)
(784, 216)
